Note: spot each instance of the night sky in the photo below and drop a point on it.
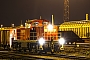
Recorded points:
(13, 11)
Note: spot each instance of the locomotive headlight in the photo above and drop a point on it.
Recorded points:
(62, 41)
(41, 41)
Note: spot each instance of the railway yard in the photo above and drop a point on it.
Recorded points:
(39, 39)
(42, 39)
(69, 53)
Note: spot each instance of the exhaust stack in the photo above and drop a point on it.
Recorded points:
(52, 20)
(87, 17)
(40, 17)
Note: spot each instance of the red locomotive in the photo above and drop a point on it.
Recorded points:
(36, 31)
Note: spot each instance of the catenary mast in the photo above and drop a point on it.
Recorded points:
(66, 11)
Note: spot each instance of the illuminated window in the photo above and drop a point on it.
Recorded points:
(45, 30)
(45, 23)
(54, 30)
(27, 25)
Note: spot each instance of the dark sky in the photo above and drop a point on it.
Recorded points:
(13, 11)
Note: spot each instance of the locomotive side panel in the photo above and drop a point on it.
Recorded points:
(33, 33)
(40, 32)
(36, 33)
(23, 33)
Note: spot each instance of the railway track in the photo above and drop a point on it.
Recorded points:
(24, 56)
(14, 55)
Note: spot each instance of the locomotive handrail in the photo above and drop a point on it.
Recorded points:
(25, 41)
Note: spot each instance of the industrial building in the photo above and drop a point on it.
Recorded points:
(80, 28)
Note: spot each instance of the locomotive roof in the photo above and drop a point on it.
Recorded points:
(36, 20)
